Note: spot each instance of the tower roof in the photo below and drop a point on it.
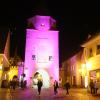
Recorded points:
(41, 22)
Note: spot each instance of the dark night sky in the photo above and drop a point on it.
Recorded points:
(75, 20)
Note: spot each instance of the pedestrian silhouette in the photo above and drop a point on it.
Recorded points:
(39, 84)
(67, 87)
(11, 84)
(92, 86)
(14, 82)
(95, 87)
(55, 87)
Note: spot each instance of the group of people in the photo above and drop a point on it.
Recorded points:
(56, 86)
(93, 87)
(66, 85)
(15, 83)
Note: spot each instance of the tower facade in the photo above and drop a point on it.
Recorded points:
(42, 50)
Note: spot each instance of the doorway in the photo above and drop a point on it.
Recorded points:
(44, 76)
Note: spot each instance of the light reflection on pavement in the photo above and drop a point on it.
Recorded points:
(47, 94)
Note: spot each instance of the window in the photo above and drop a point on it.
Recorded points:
(98, 49)
(50, 58)
(90, 52)
(33, 57)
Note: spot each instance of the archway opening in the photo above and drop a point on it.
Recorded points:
(44, 76)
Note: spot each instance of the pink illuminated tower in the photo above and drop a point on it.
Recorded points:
(42, 50)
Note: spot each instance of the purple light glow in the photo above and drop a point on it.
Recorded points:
(42, 50)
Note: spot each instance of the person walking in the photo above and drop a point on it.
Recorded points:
(67, 87)
(95, 87)
(22, 84)
(39, 85)
(92, 86)
(11, 84)
(14, 82)
(55, 87)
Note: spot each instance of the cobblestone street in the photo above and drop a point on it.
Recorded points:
(47, 94)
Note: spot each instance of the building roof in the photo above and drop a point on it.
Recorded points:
(91, 38)
(3, 38)
(42, 22)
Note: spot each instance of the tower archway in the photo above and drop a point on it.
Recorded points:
(44, 76)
